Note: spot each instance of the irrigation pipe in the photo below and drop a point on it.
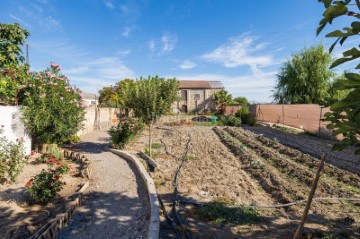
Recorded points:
(277, 205)
(305, 200)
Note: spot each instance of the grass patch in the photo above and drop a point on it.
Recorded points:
(223, 211)
(154, 154)
(189, 157)
(209, 124)
(157, 145)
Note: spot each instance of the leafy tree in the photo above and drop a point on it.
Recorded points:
(336, 94)
(150, 98)
(114, 96)
(52, 111)
(345, 116)
(242, 101)
(304, 78)
(222, 98)
(12, 67)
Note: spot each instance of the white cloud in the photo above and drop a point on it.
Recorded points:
(185, 65)
(19, 20)
(111, 68)
(168, 42)
(109, 5)
(126, 31)
(123, 52)
(151, 45)
(239, 51)
(255, 88)
(76, 70)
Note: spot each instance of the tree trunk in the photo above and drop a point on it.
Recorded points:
(150, 139)
(311, 195)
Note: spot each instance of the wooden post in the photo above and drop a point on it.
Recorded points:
(311, 195)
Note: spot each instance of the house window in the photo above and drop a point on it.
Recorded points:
(93, 102)
(196, 96)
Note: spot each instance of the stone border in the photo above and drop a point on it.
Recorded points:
(154, 226)
(52, 228)
(148, 159)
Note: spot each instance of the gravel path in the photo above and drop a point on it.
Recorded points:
(117, 203)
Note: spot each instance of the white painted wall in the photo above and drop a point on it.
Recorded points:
(13, 127)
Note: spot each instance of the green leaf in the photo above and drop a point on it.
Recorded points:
(341, 61)
(320, 28)
(336, 33)
(338, 147)
(353, 76)
(333, 45)
(352, 52)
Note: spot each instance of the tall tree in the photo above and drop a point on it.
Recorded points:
(13, 71)
(150, 98)
(304, 78)
(345, 116)
(222, 98)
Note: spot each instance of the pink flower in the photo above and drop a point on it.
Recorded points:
(55, 66)
(21, 87)
(42, 95)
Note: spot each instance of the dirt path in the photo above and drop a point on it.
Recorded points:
(117, 204)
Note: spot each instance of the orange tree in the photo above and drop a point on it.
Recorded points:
(345, 116)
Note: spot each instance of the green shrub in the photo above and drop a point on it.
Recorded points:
(72, 139)
(246, 117)
(52, 110)
(12, 159)
(46, 185)
(222, 212)
(125, 131)
(230, 121)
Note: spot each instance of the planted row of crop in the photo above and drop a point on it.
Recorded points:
(288, 167)
(259, 169)
(305, 159)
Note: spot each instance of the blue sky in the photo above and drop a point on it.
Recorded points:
(99, 42)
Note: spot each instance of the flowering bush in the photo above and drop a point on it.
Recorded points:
(47, 184)
(12, 158)
(125, 131)
(52, 111)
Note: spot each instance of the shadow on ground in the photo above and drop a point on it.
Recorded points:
(267, 227)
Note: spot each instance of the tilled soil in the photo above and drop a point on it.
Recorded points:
(313, 146)
(243, 168)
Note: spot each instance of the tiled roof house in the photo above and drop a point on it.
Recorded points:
(197, 96)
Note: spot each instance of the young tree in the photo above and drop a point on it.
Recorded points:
(222, 98)
(12, 68)
(304, 79)
(345, 116)
(150, 98)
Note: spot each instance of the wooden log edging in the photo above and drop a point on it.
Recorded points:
(154, 226)
(53, 227)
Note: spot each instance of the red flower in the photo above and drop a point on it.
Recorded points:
(59, 163)
(50, 185)
(56, 177)
(51, 160)
(350, 13)
(29, 183)
(64, 183)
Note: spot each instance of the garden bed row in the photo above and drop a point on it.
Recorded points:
(259, 169)
(309, 161)
(327, 186)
